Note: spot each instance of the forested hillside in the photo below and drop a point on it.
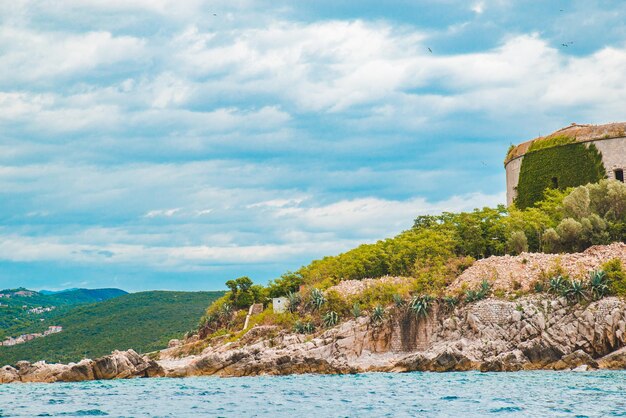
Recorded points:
(142, 321)
(16, 304)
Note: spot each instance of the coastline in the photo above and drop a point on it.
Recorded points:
(535, 332)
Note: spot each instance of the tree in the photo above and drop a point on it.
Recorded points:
(517, 242)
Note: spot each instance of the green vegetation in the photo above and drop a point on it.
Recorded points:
(478, 294)
(15, 318)
(547, 166)
(615, 276)
(378, 314)
(553, 141)
(143, 321)
(429, 256)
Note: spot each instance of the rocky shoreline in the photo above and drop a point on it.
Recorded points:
(118, 365)
(530, 333)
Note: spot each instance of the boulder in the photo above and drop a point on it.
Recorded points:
(614, 361)
(574, 360)
(125, 364)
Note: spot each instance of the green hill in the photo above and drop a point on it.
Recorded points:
(143, 321)
(16, 319)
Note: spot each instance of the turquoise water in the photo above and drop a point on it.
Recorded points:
(376, 395)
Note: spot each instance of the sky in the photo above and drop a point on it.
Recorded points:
(167, 144)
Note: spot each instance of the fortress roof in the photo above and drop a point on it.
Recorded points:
(579, 133)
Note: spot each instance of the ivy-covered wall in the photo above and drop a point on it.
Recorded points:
(560, 166)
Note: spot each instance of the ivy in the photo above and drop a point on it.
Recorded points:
(568, 165)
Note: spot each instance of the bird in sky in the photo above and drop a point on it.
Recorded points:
(565, 45)
(430, 50)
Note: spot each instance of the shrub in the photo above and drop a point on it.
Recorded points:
(550, 241)
(517, 242)
(330, 319)
(335, 302)
(356, 310)
(616, 277)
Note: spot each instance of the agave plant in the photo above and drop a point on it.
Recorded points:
(471, 296)
(398, 301)
(420, 305)
(598, 284)
(226, 310)
(208, 320)
(484, 289)
(317, 299)
(330, 319)
(356, 310)
(304, 327)
(451, 301)
(575, 290)
(294, 301)
(557, 284)
(378, 313)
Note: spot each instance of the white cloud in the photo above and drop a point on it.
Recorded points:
(162, 212)
(32, 56)
(478, 7)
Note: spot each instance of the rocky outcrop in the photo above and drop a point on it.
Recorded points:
(534, 332)
(118, 365)
(521, 272)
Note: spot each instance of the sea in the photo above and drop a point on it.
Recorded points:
(463, 394)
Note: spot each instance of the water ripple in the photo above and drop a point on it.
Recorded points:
(469, 394)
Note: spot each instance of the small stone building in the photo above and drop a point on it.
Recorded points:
(280, 304)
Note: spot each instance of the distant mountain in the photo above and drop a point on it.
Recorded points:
(15, 305)
(52, 292)
(80, 296)
(144, 321)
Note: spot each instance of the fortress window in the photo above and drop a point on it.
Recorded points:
(555, 183)
(619, 175)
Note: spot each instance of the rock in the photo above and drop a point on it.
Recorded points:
(614, 361)
(574, 360)
(8, 374)
(125, 364)
(118, 365)
(174, 343)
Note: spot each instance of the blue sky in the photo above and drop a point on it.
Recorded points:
(162, 144)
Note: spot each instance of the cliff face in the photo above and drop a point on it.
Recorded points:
(490, 335)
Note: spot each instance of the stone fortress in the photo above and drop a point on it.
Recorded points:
(579, 147)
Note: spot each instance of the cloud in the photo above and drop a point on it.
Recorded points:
(32, 57)
(145, 137)
(162, 212)
(478, 7)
